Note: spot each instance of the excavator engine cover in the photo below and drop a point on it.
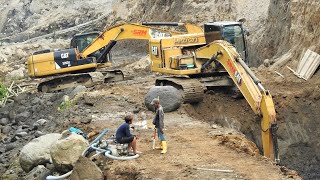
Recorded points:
(68, 58)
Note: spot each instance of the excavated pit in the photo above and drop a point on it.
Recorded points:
(297, 115)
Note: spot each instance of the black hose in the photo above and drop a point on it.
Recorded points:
(162, 23)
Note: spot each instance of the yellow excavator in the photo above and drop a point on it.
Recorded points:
(201, 61)
(61, 69)
(198, 60)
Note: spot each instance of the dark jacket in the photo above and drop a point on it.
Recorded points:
(123, 131)
(158, 119)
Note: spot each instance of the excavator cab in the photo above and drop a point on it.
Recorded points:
(232, 32)
(81, 41)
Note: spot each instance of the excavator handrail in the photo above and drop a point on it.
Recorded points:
(259, 99)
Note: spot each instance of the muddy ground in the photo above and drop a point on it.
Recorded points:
(193, 142)
(206, 135)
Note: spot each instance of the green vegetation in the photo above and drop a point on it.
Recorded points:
(65, 105)
(3, 91)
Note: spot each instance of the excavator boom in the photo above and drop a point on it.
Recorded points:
(258, 98)
(127, 31)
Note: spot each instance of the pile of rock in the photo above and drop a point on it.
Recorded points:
(56, 154)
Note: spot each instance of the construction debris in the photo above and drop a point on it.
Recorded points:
(307, 65)
(279, 74)
(12, 91)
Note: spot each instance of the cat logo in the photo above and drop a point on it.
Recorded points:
(64, 55)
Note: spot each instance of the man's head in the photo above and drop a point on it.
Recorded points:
(155, 102)
(128, 118)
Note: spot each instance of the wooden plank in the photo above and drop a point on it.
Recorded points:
(216, 170)
(308, 65)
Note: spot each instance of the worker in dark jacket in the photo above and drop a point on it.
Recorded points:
(124, 136)
(159, 124)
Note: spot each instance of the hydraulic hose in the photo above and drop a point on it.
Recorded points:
(108, 154)
(254, 77)
(59, 177)
(94, 141)
(93, 146)
(100, 136)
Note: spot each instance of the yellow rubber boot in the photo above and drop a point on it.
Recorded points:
(160, 146)
(164, 147)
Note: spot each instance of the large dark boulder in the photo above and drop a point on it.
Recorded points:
(170, 98)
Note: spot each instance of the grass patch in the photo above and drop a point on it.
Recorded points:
(66, 104)
(3, 91)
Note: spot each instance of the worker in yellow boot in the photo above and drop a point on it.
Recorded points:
(158, 122)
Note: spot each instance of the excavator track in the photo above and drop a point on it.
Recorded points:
(89, 79)
(193, 89)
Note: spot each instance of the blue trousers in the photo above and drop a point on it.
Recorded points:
(161, 136)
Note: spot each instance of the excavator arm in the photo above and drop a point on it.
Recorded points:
(125, 31)
(259, 99)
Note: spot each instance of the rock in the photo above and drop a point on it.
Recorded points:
(16, 74)
(14, 139)
(23, 116)
(136, 111)
(87, 111)
(10, 146)
(89, 100)
(86, 120)
(6, 130)
(170, 98)
(36, 101)
(38, 173)
(86, 169)
(50, 166)
(49, 103)
(12, 115)
(3, 58)
(38, 134)
(77, 90)
(40, 122)
(21, 54)
(4, 113)
(37, 151)
(65, 98)
(266, 63)
(7, 51)
(21, 134)
(13, 171)
(66, 151)
(261, 67)
(4, 121)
